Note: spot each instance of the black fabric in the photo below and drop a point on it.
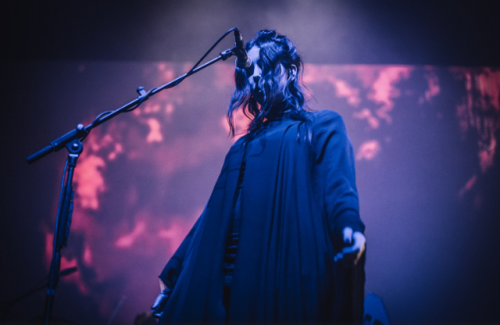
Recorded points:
(296, 198)
(234, 235)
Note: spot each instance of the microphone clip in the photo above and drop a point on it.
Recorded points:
(226, 54)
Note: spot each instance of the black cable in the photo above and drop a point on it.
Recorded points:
(153, 90)
(199, 61)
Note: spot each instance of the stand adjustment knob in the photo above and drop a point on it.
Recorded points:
(141, 91)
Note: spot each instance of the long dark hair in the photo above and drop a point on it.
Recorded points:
(280, 83)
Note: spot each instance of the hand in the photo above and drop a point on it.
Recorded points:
(160, 302)
(350, 255)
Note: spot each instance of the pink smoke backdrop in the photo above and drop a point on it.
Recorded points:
(144, 177)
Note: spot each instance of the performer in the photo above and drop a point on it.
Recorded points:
(280, 239)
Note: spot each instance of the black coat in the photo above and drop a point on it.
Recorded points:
(297, 196)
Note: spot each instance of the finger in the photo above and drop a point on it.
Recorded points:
(158, 301)
(347, 234)
(157, 311)
(349, 260)
(358, 245)
(351, 254)
(354, 257)
(359, 238)
(156, 314)
(350, 249)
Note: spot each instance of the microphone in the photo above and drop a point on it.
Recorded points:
(242, 59)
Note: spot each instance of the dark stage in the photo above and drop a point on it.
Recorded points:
(418, 85)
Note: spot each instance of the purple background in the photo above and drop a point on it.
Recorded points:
(425, 137)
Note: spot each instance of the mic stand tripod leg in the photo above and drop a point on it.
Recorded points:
(63, 223)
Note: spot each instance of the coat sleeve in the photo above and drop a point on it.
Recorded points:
(334, 157)
(172, 270)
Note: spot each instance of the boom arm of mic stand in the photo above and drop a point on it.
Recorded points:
(72, 141)
(81, 132)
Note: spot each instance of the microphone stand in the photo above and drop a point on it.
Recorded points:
(73, 143)
(4, 308)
